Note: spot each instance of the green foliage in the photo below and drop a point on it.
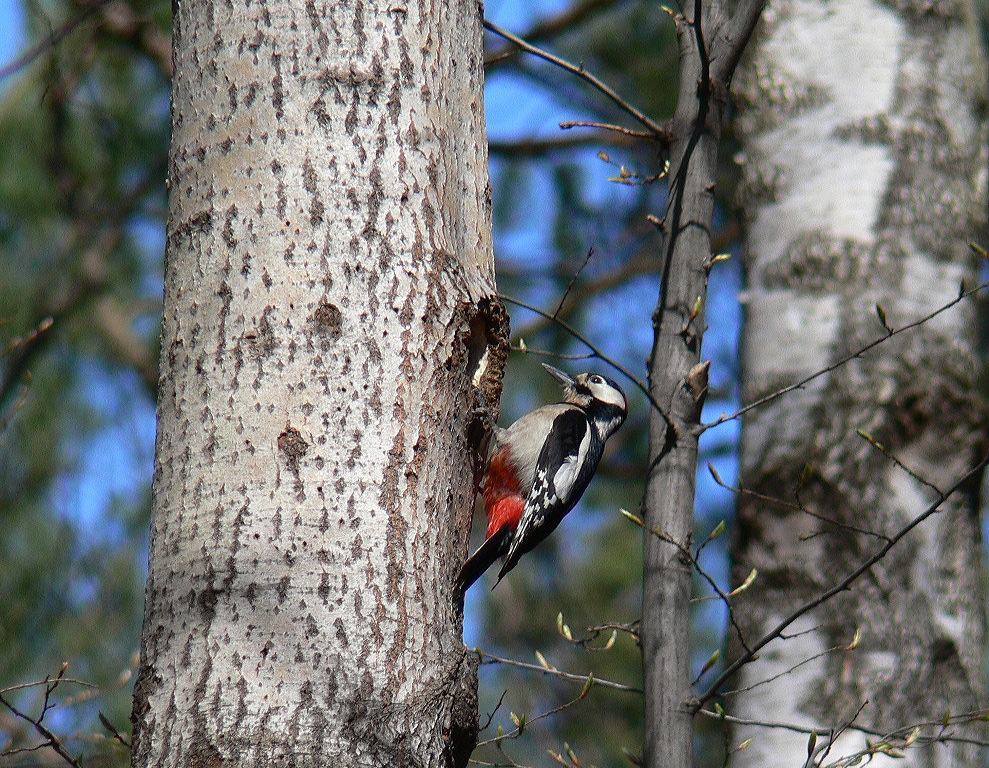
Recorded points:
(83, 141)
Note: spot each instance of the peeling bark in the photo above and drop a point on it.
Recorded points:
(330, 316)
(864, 169)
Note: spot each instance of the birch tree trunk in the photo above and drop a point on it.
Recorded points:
(330, 322)
(864, 181)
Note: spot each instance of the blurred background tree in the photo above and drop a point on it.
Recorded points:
(84, 89)
(84, 126)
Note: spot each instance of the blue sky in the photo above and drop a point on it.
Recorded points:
(11, 31)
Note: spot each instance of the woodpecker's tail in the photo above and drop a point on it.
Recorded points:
(492, 548)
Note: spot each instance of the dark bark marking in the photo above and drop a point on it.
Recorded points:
(283, 585)
(202, 752)
(341, 632)
(228, 227)
(310, 182)
(326, 323)
(262, 341)
(200, 223)
(359, 26)
(226, 295)
(294, 446)
(323, 591)
(277, 92)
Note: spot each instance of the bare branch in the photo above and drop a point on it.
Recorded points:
(567, 124)
(542, 146)
(525, 722)
(547, 28)
(494, 711)
(963, 294)
(51, 41)
(797, 506)
(661, 132)
(975, 715)
(487, 658)
(52, 740)
(46, 681)
(841, 586)
(566, 293)
(885, 452)
(526, 350)
(693, 559)
(724, 599)
(785, 672)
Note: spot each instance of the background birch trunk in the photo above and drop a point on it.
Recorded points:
(329, 320)
(864, 181)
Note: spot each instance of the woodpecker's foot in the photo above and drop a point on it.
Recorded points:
(482, 414)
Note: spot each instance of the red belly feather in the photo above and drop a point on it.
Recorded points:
(502, 495)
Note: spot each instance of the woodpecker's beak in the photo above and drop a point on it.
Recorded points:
(565, 379)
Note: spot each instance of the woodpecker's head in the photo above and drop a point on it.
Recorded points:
(601, 397)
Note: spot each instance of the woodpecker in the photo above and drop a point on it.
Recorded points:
(539, 467)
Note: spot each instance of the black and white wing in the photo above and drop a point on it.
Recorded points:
(562, 473)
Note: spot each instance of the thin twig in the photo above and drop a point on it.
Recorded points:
(517, 731)
(539, 146)
(695, 562)
(825, 749)
(724, 599)
(546, 28)
(53, 741)
(663, 133)
(795, 507)
(46, 681)
(51, 41)
(889, 455)
(975, 715)
(962, 295)
(631, 629)
(493, 711)
(567, 124)
(492, 659)
(566, 293)
(525, 350)
(785, 672)
(841, 586)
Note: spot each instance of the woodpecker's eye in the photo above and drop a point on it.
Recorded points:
(596, 379)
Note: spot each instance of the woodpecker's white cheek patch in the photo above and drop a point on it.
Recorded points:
(607, 394)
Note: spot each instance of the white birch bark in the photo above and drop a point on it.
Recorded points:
(864, 181)
(329, 325)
